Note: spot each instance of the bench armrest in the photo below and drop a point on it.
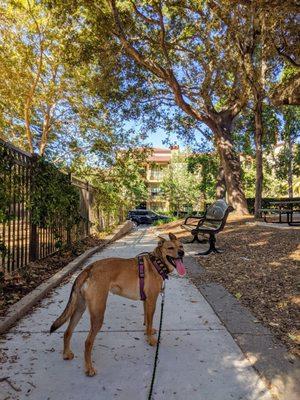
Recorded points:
(194, 217)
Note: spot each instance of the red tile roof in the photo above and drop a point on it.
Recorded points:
(161, 150)
(160, 155)
(158, 159)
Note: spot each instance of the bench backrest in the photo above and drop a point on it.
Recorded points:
(216, 215)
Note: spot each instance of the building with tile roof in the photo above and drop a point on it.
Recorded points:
(156, 165)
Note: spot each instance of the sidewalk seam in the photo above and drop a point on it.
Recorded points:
(121, 331)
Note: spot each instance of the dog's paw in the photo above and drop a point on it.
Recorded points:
(69, 355)
(152, 341)
(153, 331)
(91, 371)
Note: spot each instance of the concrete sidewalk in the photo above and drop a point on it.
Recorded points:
(198, 358)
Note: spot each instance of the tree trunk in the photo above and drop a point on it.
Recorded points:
(290, 167)
(45, 132)
(232, 168)
(27, 126)
(203, 201)
(29, 100)
(258, 157)
(220, 184)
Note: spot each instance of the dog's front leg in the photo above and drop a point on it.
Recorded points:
(150, 305)
(145, 318)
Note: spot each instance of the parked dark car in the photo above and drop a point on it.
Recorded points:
(145, 216)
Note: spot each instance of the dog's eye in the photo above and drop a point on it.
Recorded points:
(170, 248)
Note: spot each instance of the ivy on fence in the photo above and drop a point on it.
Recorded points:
(40, 208)
(53, 198)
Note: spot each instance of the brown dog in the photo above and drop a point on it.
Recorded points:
(119, 276)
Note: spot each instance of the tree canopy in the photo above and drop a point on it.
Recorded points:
(189, 64)
(48, 101)
(81, 78)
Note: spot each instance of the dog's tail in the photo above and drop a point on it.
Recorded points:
(68, 311)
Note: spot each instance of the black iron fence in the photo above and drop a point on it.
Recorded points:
(22, 238)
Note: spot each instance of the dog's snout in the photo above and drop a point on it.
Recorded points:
(180, 253)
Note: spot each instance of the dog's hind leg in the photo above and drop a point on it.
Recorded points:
(75, 318)
(97, 309)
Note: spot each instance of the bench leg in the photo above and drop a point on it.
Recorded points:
(265, 217)
(212, 247)
(196, 239)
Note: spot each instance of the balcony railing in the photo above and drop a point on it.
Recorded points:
(156, 176)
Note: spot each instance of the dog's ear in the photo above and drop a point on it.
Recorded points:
(172, 236)
(161, 241)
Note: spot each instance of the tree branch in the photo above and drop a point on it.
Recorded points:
(166, 75)
(147, 20)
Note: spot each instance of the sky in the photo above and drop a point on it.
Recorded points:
(156, 139)
(160, 138)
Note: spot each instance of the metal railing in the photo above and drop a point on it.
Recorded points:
(21, 241)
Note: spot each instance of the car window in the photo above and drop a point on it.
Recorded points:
(140, 212)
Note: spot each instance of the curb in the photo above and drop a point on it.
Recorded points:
(268, 356)
(21, 307)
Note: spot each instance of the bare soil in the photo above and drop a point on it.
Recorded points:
(261, 268)
(14, 287)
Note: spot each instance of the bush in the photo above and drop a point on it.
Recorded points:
(163, 221)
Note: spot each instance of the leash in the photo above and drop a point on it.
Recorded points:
(158, 341)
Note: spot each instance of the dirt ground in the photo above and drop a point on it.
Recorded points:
(14, 287)
(261, 268)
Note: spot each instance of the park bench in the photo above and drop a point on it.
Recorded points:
(210, 223)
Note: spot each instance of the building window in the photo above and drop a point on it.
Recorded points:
(156, 174)
(155, 191)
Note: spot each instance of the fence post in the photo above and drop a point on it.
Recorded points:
(33, 242)
(33, 234)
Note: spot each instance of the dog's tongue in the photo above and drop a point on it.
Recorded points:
(180, 267)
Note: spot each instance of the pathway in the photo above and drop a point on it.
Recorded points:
(199, 360)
